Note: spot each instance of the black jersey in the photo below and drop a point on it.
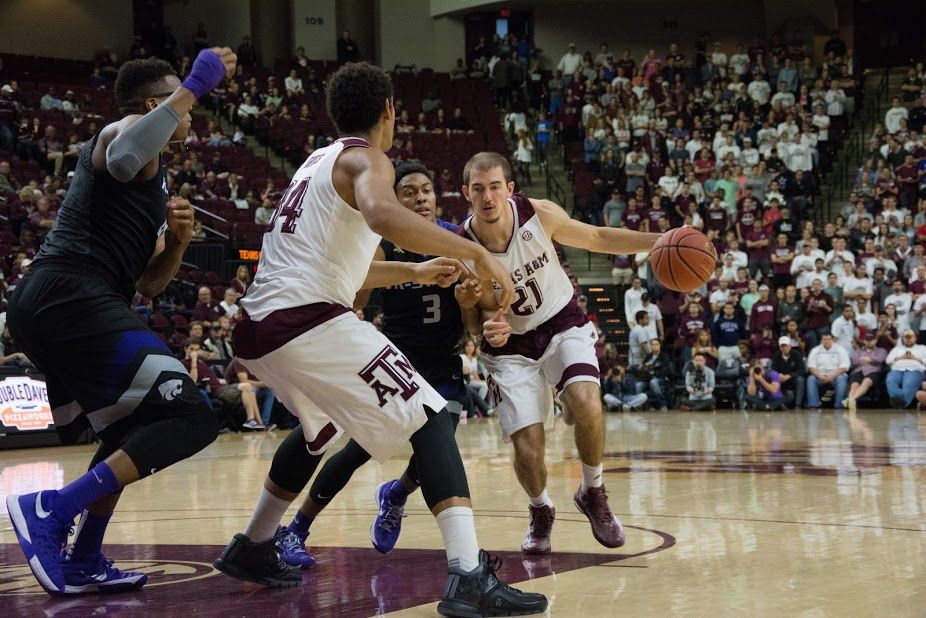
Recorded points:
(424, 321)
(107, 226)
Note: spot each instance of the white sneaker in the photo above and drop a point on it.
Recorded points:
(851, 404)
(250, 424)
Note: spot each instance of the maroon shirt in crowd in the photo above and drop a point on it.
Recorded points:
(762, 315)
(207, 313)
(763, 347)
(817, 309)
(757, 253)
(207, 378)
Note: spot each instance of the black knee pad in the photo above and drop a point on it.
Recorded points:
(337, 471)
(440, 468)
(164, 442)
(412, 470)
(293, 465)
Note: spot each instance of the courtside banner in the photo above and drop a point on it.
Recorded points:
(24, 404)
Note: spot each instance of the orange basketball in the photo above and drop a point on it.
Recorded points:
(683, 259)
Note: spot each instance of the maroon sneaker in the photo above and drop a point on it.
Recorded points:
(606, 528)
(537, 539)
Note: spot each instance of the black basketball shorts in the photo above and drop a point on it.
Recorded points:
(103, 367)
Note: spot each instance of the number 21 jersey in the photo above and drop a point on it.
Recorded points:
(542, 288)
(317, 248)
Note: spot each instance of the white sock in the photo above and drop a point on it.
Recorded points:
(459, 532)
(591, 476)
(266, 517)
(542, 500)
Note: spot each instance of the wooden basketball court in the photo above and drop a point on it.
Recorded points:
(726, 514)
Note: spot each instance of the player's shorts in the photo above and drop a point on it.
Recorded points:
(337, 374)
(522, 388)
(103, 367)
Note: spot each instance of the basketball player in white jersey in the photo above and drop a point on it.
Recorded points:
(543, 340)
(300, 337)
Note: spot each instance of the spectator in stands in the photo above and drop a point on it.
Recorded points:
(845, 330)
(817, 308)
(763, 389)
(347, 48)
(260, 416)
(264, 212)
(639, 338)
(202, 375)
(655, 374)
(524, 154)
(791, 368)
(894, 115)
(50, 101)
(43, 217)
(206, 310)
(699, 384)
(242, 280)
(867, 369)
(907, 363)
(828, 365)
(619, 391)
(218, 341)
(229, 304)
(247, 55)
(52, 150)
(8, 182)
(569, 63)
(726, 332)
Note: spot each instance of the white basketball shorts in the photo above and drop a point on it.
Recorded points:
(522, 388)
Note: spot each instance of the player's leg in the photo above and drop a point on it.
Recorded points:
(368, 388)
(331, 479)
(524, 401)
(127, 386)
(392, 495)
(253, 554)
(571, 365)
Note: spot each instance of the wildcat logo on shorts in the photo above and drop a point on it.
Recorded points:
(389, 374)
(170, 389)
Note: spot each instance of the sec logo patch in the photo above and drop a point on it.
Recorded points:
(526, 235)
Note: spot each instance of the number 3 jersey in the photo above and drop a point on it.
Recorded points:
(543, 294)
(317, 248)
(424, 322)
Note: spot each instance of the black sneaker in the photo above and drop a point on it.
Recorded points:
(480, 593)
(897, 402)
(257, 562)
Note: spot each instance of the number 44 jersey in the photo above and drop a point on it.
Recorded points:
(317, 248)
(542, 288)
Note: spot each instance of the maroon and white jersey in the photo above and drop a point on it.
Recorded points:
(542, 288)
(317, 248)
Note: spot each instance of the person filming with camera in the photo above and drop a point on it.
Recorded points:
(763, 389)
(699, 382)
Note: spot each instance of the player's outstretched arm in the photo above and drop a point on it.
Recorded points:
(129, 149)
(567, 231)
(373, 177)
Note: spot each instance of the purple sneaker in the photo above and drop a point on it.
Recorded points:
(292, 548)
(388, 524)
(537, 539)
(606, 527)
(97, 574)
(42, 536)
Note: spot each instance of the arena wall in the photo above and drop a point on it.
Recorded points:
(64, 28)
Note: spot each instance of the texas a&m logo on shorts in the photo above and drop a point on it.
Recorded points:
(389, 374)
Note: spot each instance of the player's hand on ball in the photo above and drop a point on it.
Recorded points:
(468, 293)
(497, 330)
(440, 271)
(180, 219)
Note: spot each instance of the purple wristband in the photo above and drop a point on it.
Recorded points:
(208, 70)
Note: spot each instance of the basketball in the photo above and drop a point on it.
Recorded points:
(683, 259)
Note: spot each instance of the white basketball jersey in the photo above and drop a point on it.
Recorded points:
(542, 288)
(317, 248)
